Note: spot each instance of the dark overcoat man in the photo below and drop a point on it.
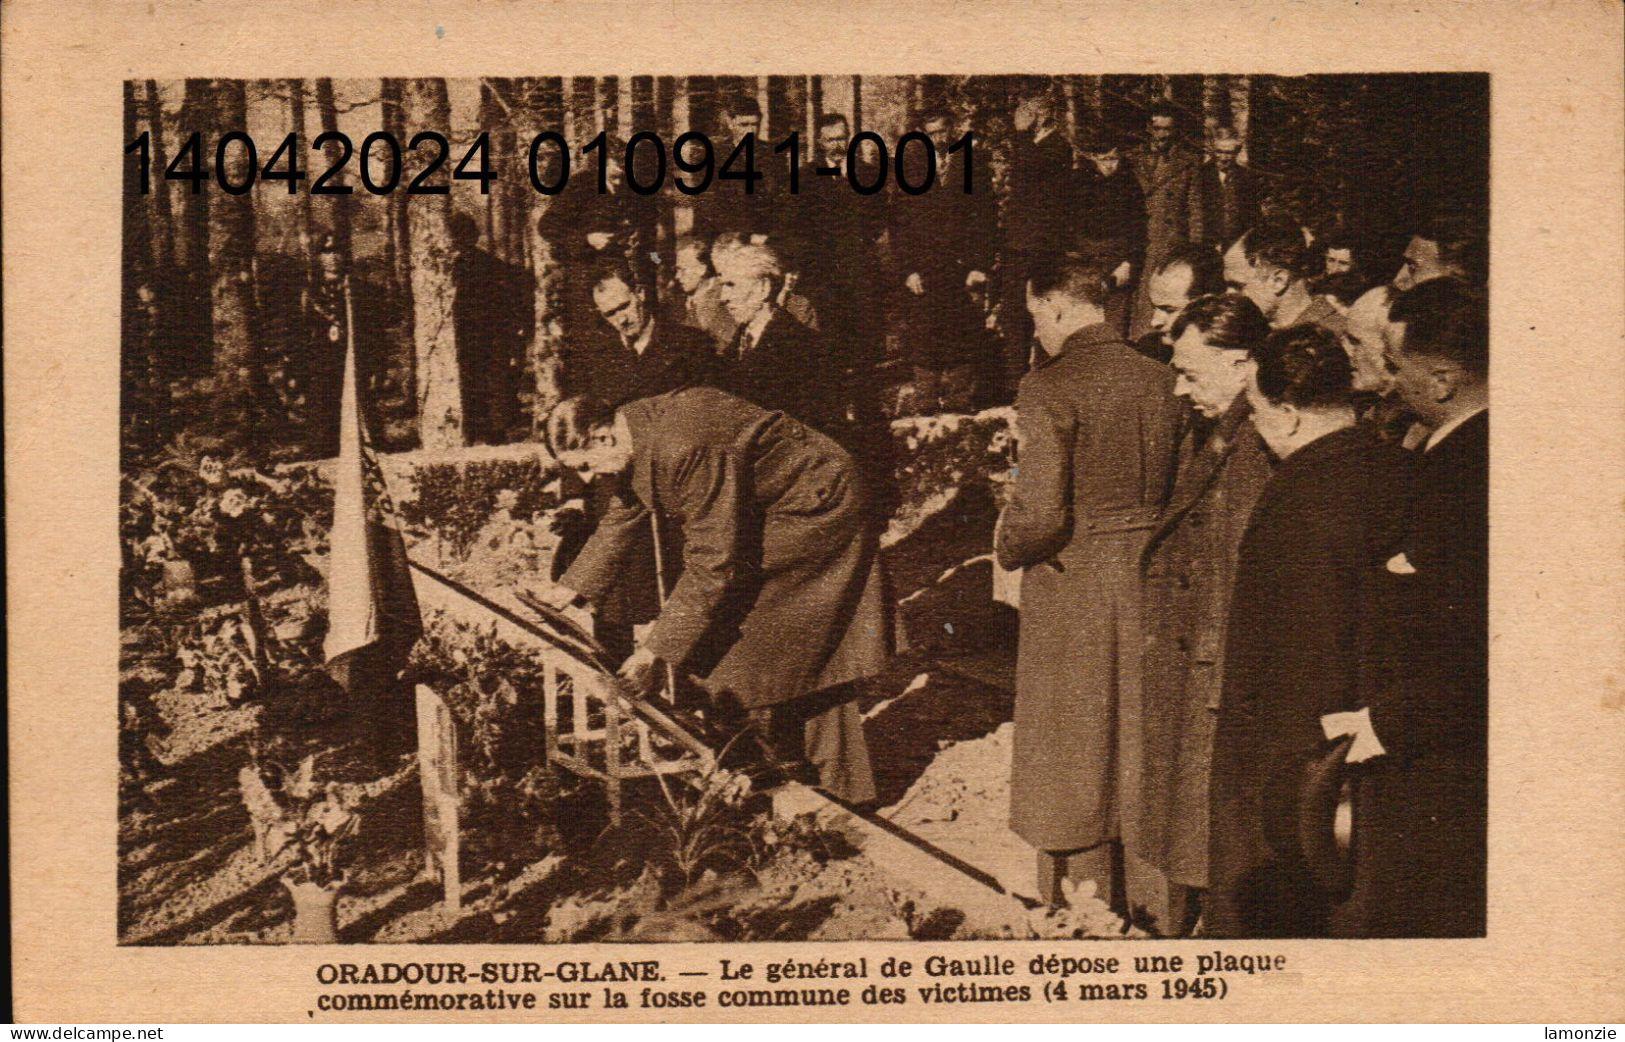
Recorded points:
(781, 595)
(1099, 428)
(942, 236)
(1190, 569)
(1421, 810)
(1171, 181)
(1229, 201)
(1298, 647)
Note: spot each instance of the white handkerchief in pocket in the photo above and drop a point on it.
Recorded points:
(1399, 564)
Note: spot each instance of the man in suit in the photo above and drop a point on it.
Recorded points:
(1099, 437)
(1444, 246)
(942, 246)
(1189, 568)
(1270, 264)
(1038, 216)
(775, 361)
(1299, 633)
(1376, 402)
(837, 240)
(636, 354)
(1229, 191)
(586, 228)
(1110, 212)
(699, 294)
(1187, 272)
(1170, 178)
(633, 354)
(726, 205)
(1421, 810)
(493, 310)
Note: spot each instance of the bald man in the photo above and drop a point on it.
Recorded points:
(1376, 404)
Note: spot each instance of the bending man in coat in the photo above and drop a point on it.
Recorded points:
(1099, 431)
(779, 607)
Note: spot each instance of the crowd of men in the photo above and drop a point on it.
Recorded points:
(1251, 506)
(1239, 617)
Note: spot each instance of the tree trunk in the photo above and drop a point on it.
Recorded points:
(504, 206)
(543, 361)
(163, 220)
(192, 245)
(584, 111)
(138, 405)
(306, 223)
(231, 260)
(1215, 104)
(1094, 94)
(397, 222)
(137, 252)
(1240, 110)
(337, 207)
(439, 388)
(546, 361)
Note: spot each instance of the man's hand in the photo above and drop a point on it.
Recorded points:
(567, 515)
(915, 284)
(1358, 724)
(975, 278)
(641, 672)
(552, 595)
(598, 240)
(1121, 275)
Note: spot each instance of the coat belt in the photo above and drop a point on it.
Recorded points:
(1124, 521)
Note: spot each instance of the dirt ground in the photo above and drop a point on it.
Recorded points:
(938, 727)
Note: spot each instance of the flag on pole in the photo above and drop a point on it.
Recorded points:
(372, 611)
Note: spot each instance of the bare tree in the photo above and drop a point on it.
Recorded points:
(546, 354)
(397, 250)
(163, 220)
(337, 207)
(191, 302)
(306, 223)
(426, 106)
(231, 261)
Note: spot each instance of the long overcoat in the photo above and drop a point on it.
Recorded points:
(1172, 185)
(1099, 437)
(1299, 645)
(1190, 568)
(780, 578)
(1421, 810)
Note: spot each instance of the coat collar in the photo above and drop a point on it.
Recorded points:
(642, 417)
(1088, 336)
(1082, 340)
(1229, 432)
(1345, 441)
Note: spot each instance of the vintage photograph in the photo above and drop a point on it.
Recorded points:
(803, 508)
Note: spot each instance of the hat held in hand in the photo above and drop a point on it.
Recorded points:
(1325, 818)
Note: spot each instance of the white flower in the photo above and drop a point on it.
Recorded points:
(234, 502)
